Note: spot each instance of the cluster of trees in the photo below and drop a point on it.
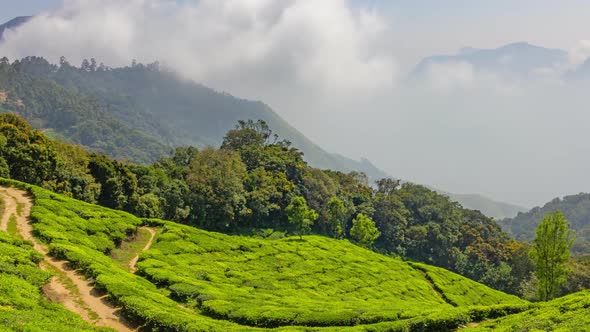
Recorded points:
(256, 180)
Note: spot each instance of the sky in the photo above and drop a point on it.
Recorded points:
(337, 70)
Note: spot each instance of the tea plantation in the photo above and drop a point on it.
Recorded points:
(22, 305)
(316, 281)
(193, 280)
(569, 313)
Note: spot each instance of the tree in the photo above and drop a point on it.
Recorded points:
(364, 230)
(300, 215)
(336, 215)
(215, 179)
(551, 252)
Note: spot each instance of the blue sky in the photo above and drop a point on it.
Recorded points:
(13, 8)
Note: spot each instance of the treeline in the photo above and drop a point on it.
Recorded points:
(257, 181)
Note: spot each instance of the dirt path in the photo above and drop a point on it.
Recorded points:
(83, 300)
(9, 210)
(133, 262)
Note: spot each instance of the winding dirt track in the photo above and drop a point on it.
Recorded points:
(91, 306)
(133, 262)
(9, 210)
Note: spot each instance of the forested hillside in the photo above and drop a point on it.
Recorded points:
(255, 184)
(72, 116)
(576, 209)
(143, 107)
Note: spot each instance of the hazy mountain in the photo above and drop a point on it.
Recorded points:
(517, 58)
(487, 206)
(576, 209)
(14, 23)
(154, 103)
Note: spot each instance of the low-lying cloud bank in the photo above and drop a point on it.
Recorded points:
(321, 44)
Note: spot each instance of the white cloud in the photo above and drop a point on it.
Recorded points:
(579, 53)
(324, 45)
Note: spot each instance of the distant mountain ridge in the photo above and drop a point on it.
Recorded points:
(576, 209)
(487, 206)
(519, 58)
(14, 23)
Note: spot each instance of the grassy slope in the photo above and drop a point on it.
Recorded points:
(129, 248)
(569, 313)
(319, 281)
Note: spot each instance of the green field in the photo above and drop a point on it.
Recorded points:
(193, 280)
(314, 282)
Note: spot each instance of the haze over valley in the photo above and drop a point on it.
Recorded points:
(499, 114)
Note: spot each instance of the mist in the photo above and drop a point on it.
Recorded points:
(330, 68)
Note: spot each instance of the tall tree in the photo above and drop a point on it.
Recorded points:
(336, 215)
(364, 230)
(551, 252)
(300, 215)
(215, 178)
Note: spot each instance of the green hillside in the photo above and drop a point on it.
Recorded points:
(315, 282)
(139, 112)
(248, 185)
(193, 280)
(576, 209)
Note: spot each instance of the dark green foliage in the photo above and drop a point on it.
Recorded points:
(575, 208)
(300, 216)
(215, 180)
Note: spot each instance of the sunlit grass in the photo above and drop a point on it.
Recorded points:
(130, 247)
(204, 281)
(12, 227)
